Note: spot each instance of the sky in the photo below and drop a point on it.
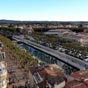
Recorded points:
(44, 10)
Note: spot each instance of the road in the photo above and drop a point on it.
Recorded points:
(60, 56)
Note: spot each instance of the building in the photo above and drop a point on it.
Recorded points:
(3, 70)
(76, 84)
(2, 53)
(78, 80)
(3, 75)
(51, 76)
(58, 32)
(25, 29)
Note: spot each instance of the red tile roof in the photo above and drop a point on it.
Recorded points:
(52, 73)
(80, 80)
(75, 84)
(77, 75)
(80, 74)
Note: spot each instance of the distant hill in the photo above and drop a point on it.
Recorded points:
(8, 21)
(3, 21)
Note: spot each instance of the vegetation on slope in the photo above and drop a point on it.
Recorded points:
(22, 58)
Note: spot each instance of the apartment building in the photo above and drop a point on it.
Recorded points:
(3, 75)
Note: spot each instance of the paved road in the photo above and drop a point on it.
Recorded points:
(60, 56)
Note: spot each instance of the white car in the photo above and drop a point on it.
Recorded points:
(86, 59)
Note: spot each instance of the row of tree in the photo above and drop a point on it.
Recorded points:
(55, 41)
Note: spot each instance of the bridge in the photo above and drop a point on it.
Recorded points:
(75, 62)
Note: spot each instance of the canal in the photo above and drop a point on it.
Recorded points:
(47, 59)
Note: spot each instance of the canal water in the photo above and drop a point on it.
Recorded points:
(48, 59)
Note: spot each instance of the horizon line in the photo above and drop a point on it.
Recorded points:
(47, 20)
